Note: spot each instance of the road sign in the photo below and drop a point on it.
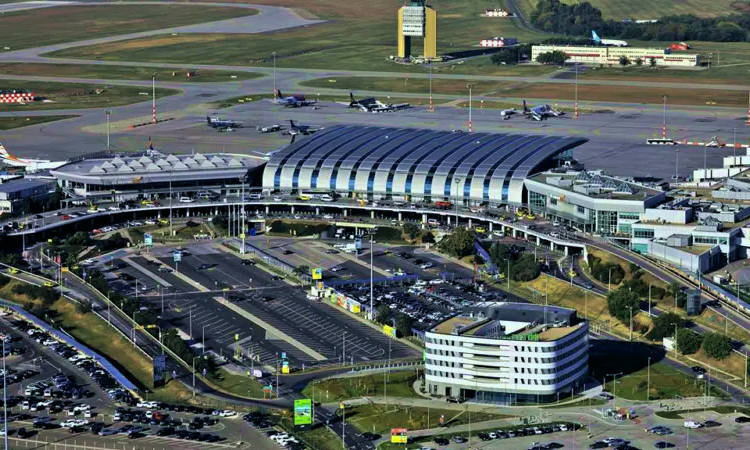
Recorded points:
(177, 256)
(147, 239)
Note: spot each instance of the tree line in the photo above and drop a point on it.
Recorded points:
(580, 19)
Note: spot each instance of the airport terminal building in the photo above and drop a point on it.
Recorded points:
(506, 353)
(610, 56)
(417, 165)
(124, 178)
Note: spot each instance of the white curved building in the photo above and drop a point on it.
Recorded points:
(508, 353)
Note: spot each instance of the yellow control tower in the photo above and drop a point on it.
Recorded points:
(417, 19)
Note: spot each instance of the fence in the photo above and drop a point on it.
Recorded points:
(374, 280)
(64, 337)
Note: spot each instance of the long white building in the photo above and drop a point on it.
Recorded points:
(610, 56)
(508, 353)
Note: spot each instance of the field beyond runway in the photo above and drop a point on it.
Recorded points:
(106, 72)
(71, 23)
(66, 96)
(10, 123)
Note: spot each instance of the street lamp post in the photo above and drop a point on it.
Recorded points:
(108, 112)
(648, 380)
(274, 74)
(432, 108)
(153, 96)
(576, 90)
(609, 281)
(676, 164)
(664, 118)
(614, 383)
(5, 398)
(171, 229)
(734, 145)
(372, 275)
(631, 323)
(458, 185)
(470, 86)
(203, 338)
(194, 358)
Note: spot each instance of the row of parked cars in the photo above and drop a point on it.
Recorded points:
(65, 386)
(512, 433)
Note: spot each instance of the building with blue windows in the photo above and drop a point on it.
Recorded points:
(416, 164)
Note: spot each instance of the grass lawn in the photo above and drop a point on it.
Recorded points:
(646, 277)
(9, 123)
(405, 84)
(332, 390)
(380, 419)
(80, 95)
(102, 72)
(324, 46)
(320, 438)
(648, 10)
(630, 94)
(719, 323)
(666, 382)
(244, 386)
(733, 364)
(76, 23)
(723, 409)
(98, 335)
(730, 62)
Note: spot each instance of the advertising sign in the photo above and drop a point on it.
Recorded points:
(160, 366)
(399, 435)
(414, 19)
(358, 243)
(302, 412)
(177, 256)
(389, 330)
(317, 273)
(147, 239)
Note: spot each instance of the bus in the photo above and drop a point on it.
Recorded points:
(661, 142)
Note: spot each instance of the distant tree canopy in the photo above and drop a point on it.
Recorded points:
(579, 19)
(556, 57)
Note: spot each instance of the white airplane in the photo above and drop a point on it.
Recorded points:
(607, 42)
(31, 165)
(541, 112)
(506, 113)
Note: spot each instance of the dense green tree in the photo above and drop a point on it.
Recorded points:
(555, 57)
(688, 341)
(652, 62)
(665, 325)
(410, 230)
(458, 244)
(383, 314)
(620, 302)
(639, 62)
(716, 345)
(403, 325)
(624, 61)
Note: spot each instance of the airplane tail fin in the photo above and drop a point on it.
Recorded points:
(525, 108)
(279, 94)
(351, 97)
(4, 153)
(208, 120)
(292, 123)
(595, 36)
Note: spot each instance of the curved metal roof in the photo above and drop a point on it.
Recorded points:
(412, 153)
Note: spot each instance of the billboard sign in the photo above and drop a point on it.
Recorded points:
(389, 330)
(160, 367)
(399, 435)
(147, 239)
(303, 412)
(317, 273)
(358, 243)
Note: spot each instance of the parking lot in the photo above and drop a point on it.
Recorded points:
(198, 314)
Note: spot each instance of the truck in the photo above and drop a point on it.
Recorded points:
(443, 204)
(681, 46)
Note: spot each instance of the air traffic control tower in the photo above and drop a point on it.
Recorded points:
(417, 19)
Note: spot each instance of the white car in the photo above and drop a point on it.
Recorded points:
(146, 405)
(150, 222)
(25, 405)
(436, 281)
(89, 261)
(426, 265)
(136, 224)
(228, 413)
(692, 424)
(114, 208)
(3, 431)
(328, 216)
(277, 199)
(82, 407)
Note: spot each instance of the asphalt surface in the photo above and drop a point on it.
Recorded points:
(617, 130)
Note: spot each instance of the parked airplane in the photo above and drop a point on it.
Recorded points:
(31, 165)
(293, 101)
(541, 112)
(506, 113)
(607, 42)
(218, 122)
(269, 128)
(302, 129)
(371, 104)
